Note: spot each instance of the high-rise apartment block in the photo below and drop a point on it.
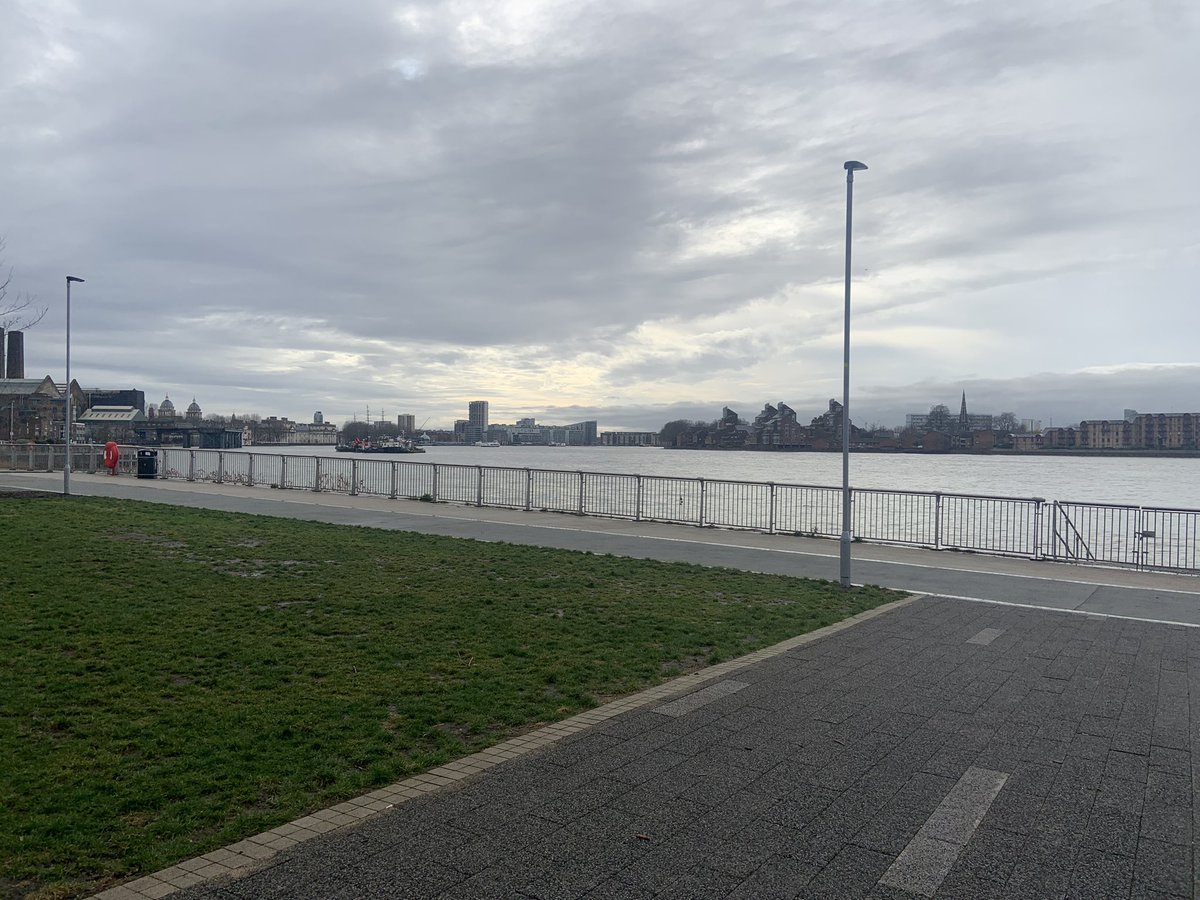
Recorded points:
(477, 420)
(407, 423)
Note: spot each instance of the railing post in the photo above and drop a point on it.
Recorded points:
(637, 513)
(91, 459)
(771, 524)
(282, 471)
(29, 468)
(528, 489)
(1054, 531)
(703, 493)
(581, 493)
(937, 520)
(249, 470)
(354, 478)
(1037, 527)
(395, 480)
(220, 467)
(191, 465)
(317, 477)
(479, 486)
(1139, 541)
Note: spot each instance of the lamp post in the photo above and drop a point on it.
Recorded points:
(851, 167)
(67, 423)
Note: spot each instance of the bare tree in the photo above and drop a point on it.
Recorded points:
(1006, 422)
(940, 418)
(18, 311)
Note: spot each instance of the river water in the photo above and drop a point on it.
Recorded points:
(1143, 481)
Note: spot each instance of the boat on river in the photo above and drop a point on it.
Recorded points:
(388, 445)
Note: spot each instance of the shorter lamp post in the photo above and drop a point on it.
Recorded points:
(851, 167)
(67, 423)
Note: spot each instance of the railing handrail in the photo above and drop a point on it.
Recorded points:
(673, 478)
(1097, 504)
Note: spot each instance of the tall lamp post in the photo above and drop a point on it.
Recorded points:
(67, 423)
(851, 167)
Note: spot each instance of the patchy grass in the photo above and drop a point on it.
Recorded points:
(175, 680)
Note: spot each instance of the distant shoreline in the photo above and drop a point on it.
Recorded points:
(1070, 451)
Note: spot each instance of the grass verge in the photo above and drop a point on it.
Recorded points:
(173, 680)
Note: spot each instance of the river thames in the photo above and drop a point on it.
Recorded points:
(1143, 481)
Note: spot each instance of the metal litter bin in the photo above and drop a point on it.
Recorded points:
(147, 464)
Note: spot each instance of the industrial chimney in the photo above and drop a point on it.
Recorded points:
(15, 362)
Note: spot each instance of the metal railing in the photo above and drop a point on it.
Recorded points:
(1086, 533)
(27, 457)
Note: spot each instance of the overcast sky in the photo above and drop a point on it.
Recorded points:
(622, 211)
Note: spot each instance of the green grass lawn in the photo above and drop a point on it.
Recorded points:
(172, 680)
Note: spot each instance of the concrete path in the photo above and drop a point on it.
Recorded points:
(937, 748)
(1157, 596)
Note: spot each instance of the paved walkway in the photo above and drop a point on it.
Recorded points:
(936, 748)
(1158, 596)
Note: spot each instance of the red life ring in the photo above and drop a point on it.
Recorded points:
(112, 455)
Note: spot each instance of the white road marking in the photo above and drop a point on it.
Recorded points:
(925, 862)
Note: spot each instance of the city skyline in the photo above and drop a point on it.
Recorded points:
(477, 416)
(627, 213)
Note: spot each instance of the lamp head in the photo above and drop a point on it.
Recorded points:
(71, 278)
(854, 166)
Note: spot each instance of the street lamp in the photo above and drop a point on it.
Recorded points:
(67, 423)
(851, 167)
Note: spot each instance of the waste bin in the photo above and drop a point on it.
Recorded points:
(147, 464)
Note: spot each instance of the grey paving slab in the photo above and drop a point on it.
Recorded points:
(702, 697)
(985, 636)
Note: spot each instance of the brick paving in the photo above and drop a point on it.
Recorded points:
(942, 748)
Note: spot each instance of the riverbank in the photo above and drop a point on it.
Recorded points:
(996, 451)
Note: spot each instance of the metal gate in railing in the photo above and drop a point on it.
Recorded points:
(1138, 537)
(1086, 533)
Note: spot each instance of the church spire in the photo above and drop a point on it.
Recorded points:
(964, 420)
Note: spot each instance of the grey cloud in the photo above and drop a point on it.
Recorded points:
(239, 179)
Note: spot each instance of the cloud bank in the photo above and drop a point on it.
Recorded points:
(608, 210)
